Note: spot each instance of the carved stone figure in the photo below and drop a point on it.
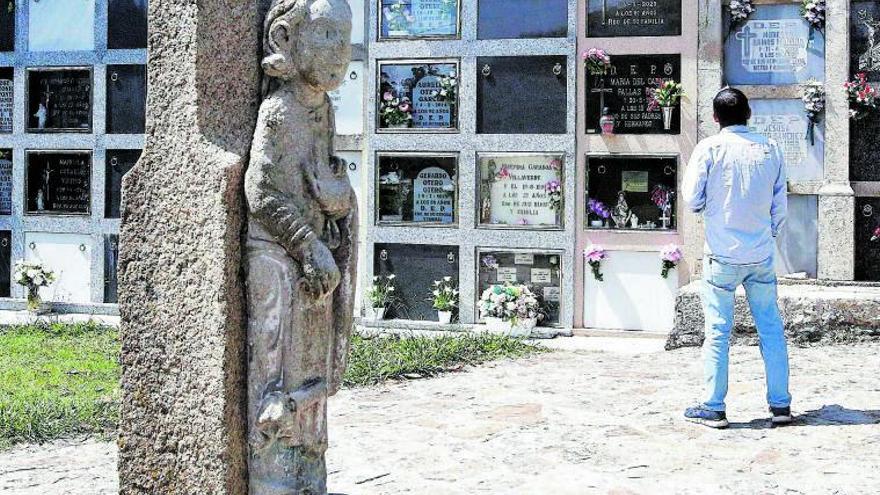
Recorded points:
(301, 248)
(621, 213)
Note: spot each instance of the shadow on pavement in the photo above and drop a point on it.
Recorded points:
(834, 415)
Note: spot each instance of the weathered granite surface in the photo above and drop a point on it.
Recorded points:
(814, 313)
(181, 299)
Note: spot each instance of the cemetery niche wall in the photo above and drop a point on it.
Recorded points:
(58, 182)
(118, 163)
(6, 177)
(127, 24)
(612, 18)
(625, 92)
(59, 99)
(540, 270)
(786, 122)
(519, 19)
(425, 19)
(126, 99)
(865, 58)
(7, 25)
(415, 188)
(7, 99)
(521, 190)
(867, 239)
(631, 192)
(61, 25)
(415, 268)
(5, 263)
(417, 96)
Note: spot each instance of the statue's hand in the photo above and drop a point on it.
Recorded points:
(320, 272)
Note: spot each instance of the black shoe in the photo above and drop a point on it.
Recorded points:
(781, 415)
(701, 415)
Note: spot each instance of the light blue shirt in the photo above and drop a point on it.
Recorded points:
(736, 179)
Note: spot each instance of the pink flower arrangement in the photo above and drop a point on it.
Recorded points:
(522, 221)
(670, 256)
(597, 60)
(876, 236)
(862, 96)
(556, 164)
(503, 174)
(554, 193)
(594, 254)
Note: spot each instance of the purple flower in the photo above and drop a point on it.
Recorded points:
(388, 96)
(876, 236)
(671, 253)
(595, 253)
(553, 186)
(598, 208)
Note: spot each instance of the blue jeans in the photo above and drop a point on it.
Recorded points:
(719, 286)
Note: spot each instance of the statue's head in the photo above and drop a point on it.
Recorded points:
(309, 39)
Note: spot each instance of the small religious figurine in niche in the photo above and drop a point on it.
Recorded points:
(41, 115)
(621, 213)
(300, 248)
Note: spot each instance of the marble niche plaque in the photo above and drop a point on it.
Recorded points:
(416, 267)
(797, 246)
(416, 188)
(626, 90)
(70, 257)
(354, 168)
(7, 25)
(118, 163)
(541, 271)
(514, 192)
(348, 102)
(127, 24)
(126, 99)
(58, 182)
(522, 95)
(419, 19)
(864, 42)
(511, 19)
(61, 25)
(787, 123)
(773, 47)
(634, 192)
(5, 182)
(59, 99)
(5, 263)
(111, 256)
(414, 89)
(867, 243)
(6, 99)
(610, 18)
(358, 9)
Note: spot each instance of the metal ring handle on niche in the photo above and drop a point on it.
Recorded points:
(4, 242)
(450, 257)
(601, 169)
(668, 170)
(383, 255)
(114, 76)
(487, 70)
(352, 166)
(114, 161)
(82, 248)
(557, 69)
(32, 245)
(353, 75)
(868, 211)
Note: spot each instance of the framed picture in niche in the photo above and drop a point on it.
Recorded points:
(521, 190)
(407, 19)
(5, 182)
(542, 271)
(58, 182)
(61, 25)
(417, 96)
(415, 268)
(59, 99)
(520, 19)
(7, 25)
(6, 99)
(417, 188)
(118, 163)
(127, 24)
(631, 192)
(126, 99)
(611, 18)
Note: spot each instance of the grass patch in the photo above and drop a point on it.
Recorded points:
(57, 380)
(376, 360)
(62, 380)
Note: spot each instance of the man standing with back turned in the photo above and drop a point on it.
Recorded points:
(736, 179)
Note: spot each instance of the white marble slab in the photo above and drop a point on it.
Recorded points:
(69, 256)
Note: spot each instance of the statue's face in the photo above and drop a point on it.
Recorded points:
(323, 49)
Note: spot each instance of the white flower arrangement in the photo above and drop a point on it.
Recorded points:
(814, 13)
(381, 292)
(740, 10)
(33, 275)
(444, 295)
(510, 303)
(814, 105)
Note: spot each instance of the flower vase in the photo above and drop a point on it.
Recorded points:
(523, 327)
(35, 303)
(598, 224)
(668, 112)
(444, 317)
(498, 325)
(377, 313)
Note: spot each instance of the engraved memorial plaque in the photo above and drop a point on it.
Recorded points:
(7, 25)
(5, 263)
(510, 19)
(348, 101)
(867, 224)
(421, 95)
(5, 182)
(6, 99)
(518, 190)
(126, 99)
(419, 19)
(864, 42)
(774, 46)
(111, 256)
(787, 123)
(127, 24)
(61, 25)
(416, 267)
(620, 196)
(609, 18)
(59, 100)
(522, 95)
(543, 276)
(416, 188)
(627, 92)
(118, 163)
(58, 182)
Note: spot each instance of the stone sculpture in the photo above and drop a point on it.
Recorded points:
(300, 248)
(621, 213)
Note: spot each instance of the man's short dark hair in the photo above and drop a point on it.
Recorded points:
(731, 107)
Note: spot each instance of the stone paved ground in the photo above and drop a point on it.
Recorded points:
(577, 421)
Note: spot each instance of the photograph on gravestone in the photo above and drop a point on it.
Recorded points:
(61, 25)
(631, 192)
(126, 99)
(7, 25)
(59, 99)
(58, 182)
(117, 164)
(417, 95)
(867, 225)
(5, 263)
(775, 46)
(6, 99)
(111, 256)
(127, 24)
(787, 123)
(348, 102)
(797, 245)
(522, 95)
(627, 91)
(610, 18)
(415, 267)
(521, 190)
(5, 182)
(401, 19)
(864, 41)
(540, 270)
(416, 188)
(512, 19)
